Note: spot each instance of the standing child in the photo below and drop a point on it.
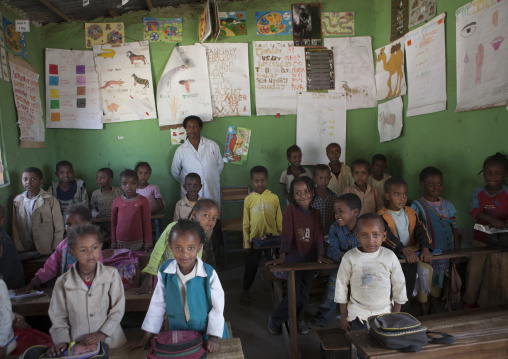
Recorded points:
(370, 197)
(10, 265)
(488, 205)
(150, 191)
(37, 224)
(342, 238)
(302, 240)
(102, 198)
(188, 291)
(130, 216)
(325, 197)
(68, 189)
(378, 177)
(294, 156)
(438, 215)
(261, 217)
(341, 173)
(192, 186)
(88, 301)
(374, 275)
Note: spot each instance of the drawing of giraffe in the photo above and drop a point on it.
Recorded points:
(395, 65)
(141, 81)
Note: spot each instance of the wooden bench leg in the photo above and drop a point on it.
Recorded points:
(225, 250)
(326, 354)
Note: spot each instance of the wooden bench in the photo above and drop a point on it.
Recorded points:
(275, 283)
(331, 340)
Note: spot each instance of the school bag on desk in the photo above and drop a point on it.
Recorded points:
(181, 344)
(96, 351)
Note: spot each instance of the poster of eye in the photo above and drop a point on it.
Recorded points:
(72, 90)
(178, 135)
(390, 79)
(421, 10)
(320, 120)
(319, 67)
(354, 70)
(101, 33)
(307, 24)
(14, 41)
(274, 23)
(228, 69)
(426, 68)
(338, 23)
(232, 23)
(237, 145)
(482, 74)
(163, 30)
(125, 81)
(389, 119)
(279, 73)
(184, 87)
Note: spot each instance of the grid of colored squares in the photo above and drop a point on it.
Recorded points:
(55, 93)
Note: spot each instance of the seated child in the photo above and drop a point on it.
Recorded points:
(438, 216)
(61, 261)
(88, 301)
(206, 213)
(378, 177)
(192, 186)
(188, 290)
(294, 157)
(102, 198)
(342, 238)
(130, 216)
(341, 173)
(405, 232)
(370, 197)
(302, 240)
(261, 217)
(10, 266)
(374, 275)
(68, 189)
(325, 197)
(37, 224)
(150, 191)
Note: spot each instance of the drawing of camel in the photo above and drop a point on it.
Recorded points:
(395, 65)
(112, 107)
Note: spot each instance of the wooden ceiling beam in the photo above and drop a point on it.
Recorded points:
(149, 4)
(55, 10)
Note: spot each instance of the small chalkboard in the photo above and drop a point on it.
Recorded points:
(320, 70)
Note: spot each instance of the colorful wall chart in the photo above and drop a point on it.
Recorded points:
(338, 23)
(279, 73)
(319, 68)
(274, 23)
(421, 10)
(205, 23)
(389, 119)
(178, 136)
(482, 74)
(163, 30)
(14, 41)
(426, 68)
(72, 90)
(125, 80)
(101, 33)
(232, 23)
(390, 78)
(228, 69)
(237, 145)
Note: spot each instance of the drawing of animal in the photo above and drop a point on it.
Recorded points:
(393, 66)
(141, 81)
(107, 53)
(112, 107)
(112, 82)
(134, 57)
(387, 119)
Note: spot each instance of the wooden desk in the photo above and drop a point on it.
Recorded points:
(479, 333)
(157, 218)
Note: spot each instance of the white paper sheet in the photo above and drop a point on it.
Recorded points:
(354, 70)
(390, 78)
(389, 119)
(320, 120)
(184, 87)
(482, 52)
(279, 73)
(228, 68)
(426, 68)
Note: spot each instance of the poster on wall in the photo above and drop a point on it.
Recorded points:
(421, 10)
(184, 87)
(338, 23)
(178, 135)
(228, 69)
(72, 90)
(320, 120)
(232, 23)
(270, 23)
(15, 41)
(279, 73)
(389, 119)
(426, 68)
(125, 82)
(163, 30)
(205, 23)
(390, 78)
(98, 33)
(354, 70)
(399, 19)
(307, 24)
(237, 145)
(319, 68)
(482, 74)
(25, 86)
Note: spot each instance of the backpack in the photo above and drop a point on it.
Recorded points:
(403, 332)
(39, 352)
(181, 344)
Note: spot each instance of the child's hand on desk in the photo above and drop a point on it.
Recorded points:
(344, 324)
(274, 262)
(56, 349)
(145, 287)
(410, 256)
(142, 344)
(496, 222)
(324, 260)
(93, 338)
(26, 289)
(426, 256)
(212, 344)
